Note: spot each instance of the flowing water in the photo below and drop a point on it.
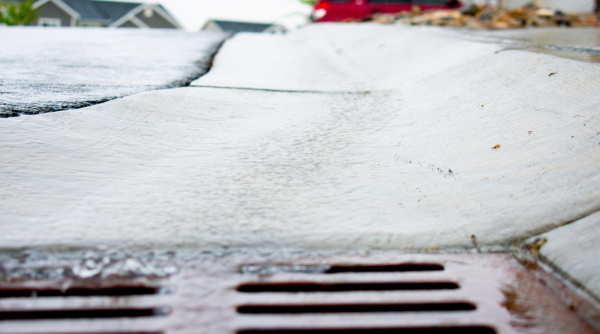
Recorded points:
(574, 43)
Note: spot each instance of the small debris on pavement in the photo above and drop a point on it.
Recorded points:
(496, 147)
(536, 245)
(475, 244)
(486, 16)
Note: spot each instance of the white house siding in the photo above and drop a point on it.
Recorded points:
(155, 21)
(211, 26)
(579, 6)
(128, 24)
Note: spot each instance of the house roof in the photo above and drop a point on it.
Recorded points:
(113, 11)
(236, 26)
(100, 10)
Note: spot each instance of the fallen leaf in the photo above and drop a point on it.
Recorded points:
(536, 245)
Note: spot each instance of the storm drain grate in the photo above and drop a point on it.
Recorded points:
(243, 293)
(51, 308)
(362, 289)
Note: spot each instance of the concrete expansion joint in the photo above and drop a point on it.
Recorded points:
(569, 250)
(209, 60)
(565, 276)
(548, 229)
(338, 92)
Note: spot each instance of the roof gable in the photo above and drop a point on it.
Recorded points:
(109, 11)
(96, 9)
(60, 4)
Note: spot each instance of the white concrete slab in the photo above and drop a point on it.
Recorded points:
(45, 69)
(403, 161)
(333, 58)
(411, 168)
(574, 249)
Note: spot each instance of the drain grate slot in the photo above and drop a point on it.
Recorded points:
(84, 314)
(388, 268)
(345, 287)
(355, 308)
(106, 333)
(80, 292)
(429, 330)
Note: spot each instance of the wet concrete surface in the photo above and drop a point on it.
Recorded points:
(336, 137)
(43, 70)
(581, 44)
(573, 249)
(412, 152)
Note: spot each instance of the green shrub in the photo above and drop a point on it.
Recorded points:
(17, 14)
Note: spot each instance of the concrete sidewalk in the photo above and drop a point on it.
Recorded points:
(333, 137)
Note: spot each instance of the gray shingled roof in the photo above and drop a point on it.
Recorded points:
(235, 26)
(101, 10)
(85, 8)
(113, 10)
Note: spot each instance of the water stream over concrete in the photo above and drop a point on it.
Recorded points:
(581, 44)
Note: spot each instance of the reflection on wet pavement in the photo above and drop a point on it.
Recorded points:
(581, 44)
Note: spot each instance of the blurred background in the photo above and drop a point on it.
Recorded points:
(277, 16)
(193, 14)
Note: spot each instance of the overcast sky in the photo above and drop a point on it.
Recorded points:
(193, 13)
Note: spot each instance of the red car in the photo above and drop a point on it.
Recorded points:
(338, 10)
